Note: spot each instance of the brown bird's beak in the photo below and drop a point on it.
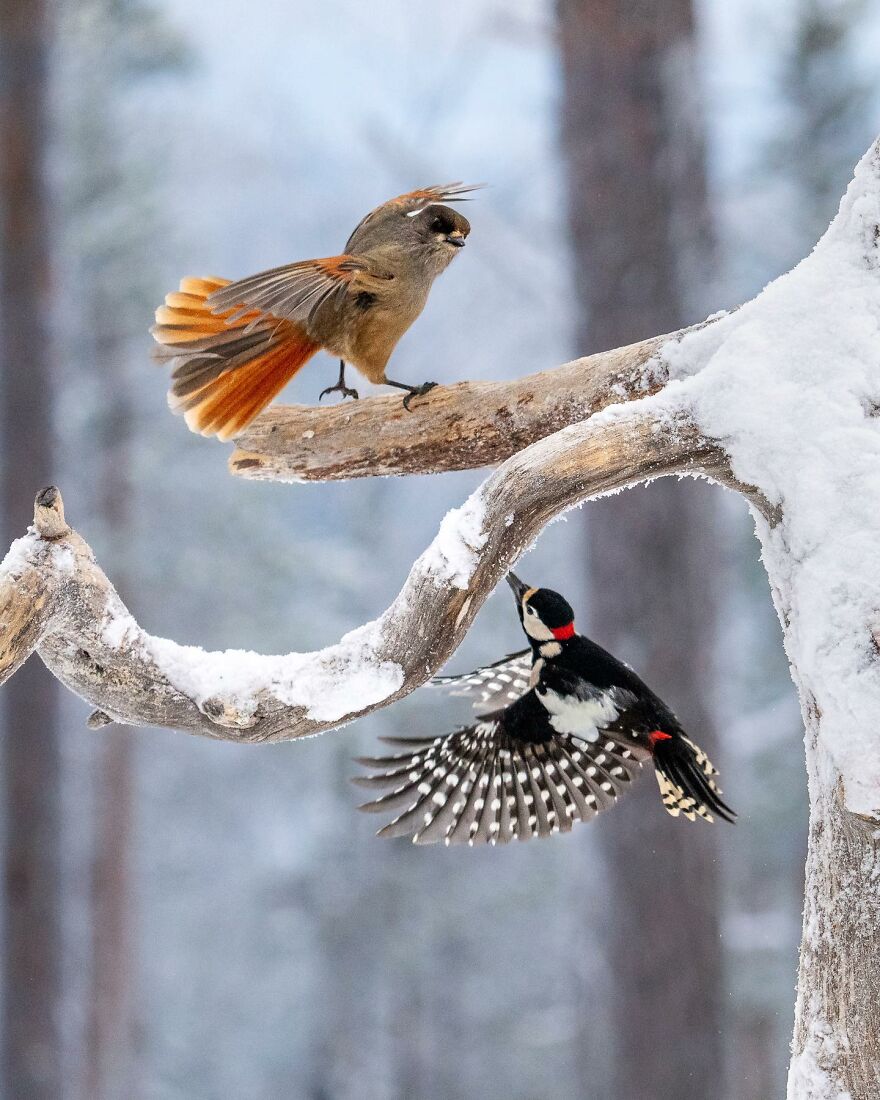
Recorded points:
(457, 238)
(518, 587)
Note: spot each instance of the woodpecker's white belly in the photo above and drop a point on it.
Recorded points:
(582, 717)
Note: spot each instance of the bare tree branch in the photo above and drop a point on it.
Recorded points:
(458, 427)
(88, 639)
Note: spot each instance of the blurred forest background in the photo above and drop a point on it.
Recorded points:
(185, 920)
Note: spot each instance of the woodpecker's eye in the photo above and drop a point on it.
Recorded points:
(530, 610)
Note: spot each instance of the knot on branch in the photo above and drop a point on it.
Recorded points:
(227, 715)
(98, 719)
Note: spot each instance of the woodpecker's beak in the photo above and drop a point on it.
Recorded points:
(456, 237)
(519, 589)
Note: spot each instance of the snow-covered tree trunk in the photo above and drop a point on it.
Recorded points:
(779, 401)
(836, 1042)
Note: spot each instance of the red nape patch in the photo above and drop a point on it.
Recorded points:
(658, 735)
(563, 632)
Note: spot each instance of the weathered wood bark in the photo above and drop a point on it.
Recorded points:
(30, 765)
(631, 144)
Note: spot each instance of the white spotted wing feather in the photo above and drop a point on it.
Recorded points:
(494, 685)
(481, 785)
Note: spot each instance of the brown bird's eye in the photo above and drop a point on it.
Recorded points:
(441, 225)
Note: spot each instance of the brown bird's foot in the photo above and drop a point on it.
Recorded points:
(412, 391)
(340, 386)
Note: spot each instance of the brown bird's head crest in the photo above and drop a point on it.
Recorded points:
(396, 216)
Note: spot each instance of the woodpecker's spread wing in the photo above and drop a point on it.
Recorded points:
(294, 292)
(413, 201)
(492, 685)
(507, 777)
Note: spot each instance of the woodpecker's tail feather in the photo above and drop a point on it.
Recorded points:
(481, 785)
(685, 776)
(227, 366)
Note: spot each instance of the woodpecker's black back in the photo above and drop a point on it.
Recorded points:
(568, 729)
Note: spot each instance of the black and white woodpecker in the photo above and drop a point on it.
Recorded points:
(566, 728)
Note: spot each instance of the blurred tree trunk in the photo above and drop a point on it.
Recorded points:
(109, 1039)
(109, 1036)
(110, 229)
(639, 227)
(31, 769)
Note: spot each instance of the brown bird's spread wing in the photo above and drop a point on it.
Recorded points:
(294, 292)
(414, 201)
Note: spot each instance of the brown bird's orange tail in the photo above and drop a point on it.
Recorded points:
(227, 366)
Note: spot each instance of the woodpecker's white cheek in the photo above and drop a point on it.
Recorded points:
(536, 629)
(583, 717)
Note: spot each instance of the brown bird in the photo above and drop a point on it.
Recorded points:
(235, 345)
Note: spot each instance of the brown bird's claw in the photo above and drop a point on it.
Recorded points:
(417, 391)
(340, 387)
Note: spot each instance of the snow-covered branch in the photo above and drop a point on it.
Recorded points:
(56, 599)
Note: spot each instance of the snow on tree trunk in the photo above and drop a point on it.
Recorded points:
(793, 393)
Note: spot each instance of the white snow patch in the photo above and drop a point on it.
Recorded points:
(18, 556)
(118, 627)
(453, 555)
(21, 552)
(807, 1077)
(64, 559)
(329, 684)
